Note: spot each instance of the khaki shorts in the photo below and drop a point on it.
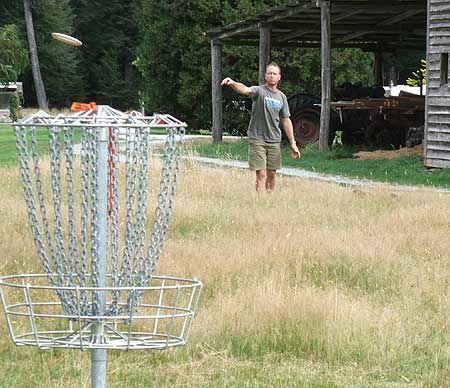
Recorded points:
(263, 155)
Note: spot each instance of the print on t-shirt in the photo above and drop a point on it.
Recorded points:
(272, 103)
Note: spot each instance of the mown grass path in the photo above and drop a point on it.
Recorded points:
(405, 170)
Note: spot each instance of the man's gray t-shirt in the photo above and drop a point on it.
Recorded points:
(267, 109)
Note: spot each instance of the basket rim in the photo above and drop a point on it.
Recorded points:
(6, 282)
(101, 125)
(123, 341)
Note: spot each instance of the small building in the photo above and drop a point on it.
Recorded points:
(5, 93)
(437, 116)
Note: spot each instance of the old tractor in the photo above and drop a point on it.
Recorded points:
(364, 116)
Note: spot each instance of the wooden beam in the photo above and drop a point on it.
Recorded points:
(410, 28)
(264, 50)
(371, 46)
(298, 33)
(355, 30)
(291, 12)
(379, 5)
(245, 26)
(378, 67)
(399, 18)
(353, 35)
(253, 24)
(216, 90)
(345, 15)
(373, 29)
(325, 49)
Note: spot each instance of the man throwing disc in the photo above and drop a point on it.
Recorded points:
(264, 134)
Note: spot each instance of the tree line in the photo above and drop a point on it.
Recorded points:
(156, 55)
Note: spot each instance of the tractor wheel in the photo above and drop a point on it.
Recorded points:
(306, 123)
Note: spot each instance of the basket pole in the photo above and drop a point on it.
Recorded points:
(98, 356)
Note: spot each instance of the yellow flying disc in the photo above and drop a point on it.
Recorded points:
(66, 39)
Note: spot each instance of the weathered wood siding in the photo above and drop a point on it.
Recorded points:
(437, 120)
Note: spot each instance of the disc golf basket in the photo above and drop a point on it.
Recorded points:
(99, 207)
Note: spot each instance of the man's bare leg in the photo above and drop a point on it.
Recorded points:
(261, 177)
(270, 180)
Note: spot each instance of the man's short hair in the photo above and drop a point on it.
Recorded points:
(274, 65)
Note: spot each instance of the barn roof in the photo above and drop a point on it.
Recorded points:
(367, 24)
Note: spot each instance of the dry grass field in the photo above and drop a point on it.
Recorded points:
(313, 285)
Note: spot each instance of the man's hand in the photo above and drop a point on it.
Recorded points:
(236, 86)
(289, 130)
(295, 152)
(227, 82)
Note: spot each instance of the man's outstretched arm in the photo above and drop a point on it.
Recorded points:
(237, 86)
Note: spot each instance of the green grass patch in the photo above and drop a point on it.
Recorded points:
(188, 228)
(8, 152)
(407, 170)
(197, 368)
(305, 338)
(7, 145)
(358, 279)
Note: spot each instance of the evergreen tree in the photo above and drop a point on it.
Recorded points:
(174, 56)
(13, 53)
(399, 65)
(419, 77)
(109, 33)
(11, 12)
(59, 63)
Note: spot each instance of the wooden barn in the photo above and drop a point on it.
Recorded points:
(377, 26)
(437, 117)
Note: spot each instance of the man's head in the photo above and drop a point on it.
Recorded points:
(273, 74)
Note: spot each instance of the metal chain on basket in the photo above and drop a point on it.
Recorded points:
(73, 277)
(131, 240)
(54, 142)
(40, 192)
(85, 191)
(172, 158)
(94, 222)
(126, 276)
(114, 216)
(70, 255)
(63, 265)
(24, 168)
(72, 230)
(35, 220)
(136, 149)
(136, 232)
(141, 214)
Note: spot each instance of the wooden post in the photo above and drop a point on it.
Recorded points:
(216, 89)
(326, 75)
(429, 57)
(35, 68)
(264, 50)
(378, 67)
